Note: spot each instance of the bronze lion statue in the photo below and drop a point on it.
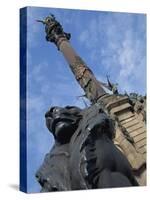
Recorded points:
(84, 155)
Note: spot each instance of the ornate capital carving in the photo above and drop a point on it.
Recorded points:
(54, 31)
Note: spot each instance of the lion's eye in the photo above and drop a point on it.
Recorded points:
(55, 110)
(52, 109)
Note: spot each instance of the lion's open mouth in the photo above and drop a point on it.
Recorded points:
(59, 123)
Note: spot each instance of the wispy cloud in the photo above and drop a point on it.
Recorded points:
(117, 46)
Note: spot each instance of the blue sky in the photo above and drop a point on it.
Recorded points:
(110, 43)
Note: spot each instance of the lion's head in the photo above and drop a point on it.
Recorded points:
(63, 122)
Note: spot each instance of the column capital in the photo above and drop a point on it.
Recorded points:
(54, 30)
